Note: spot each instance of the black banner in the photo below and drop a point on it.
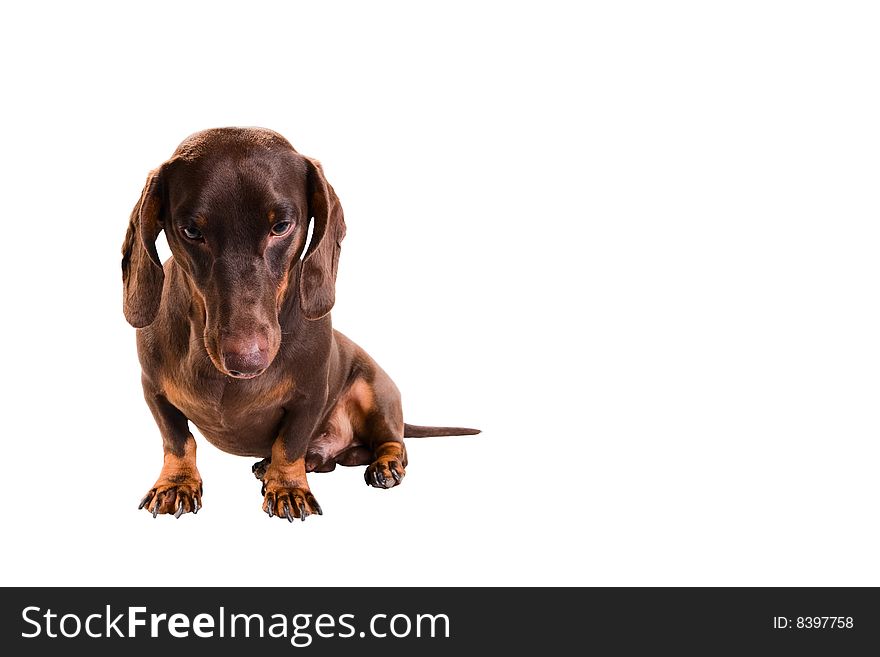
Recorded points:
(397, 621)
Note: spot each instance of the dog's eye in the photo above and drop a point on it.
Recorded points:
(193, 233)
(281, 227)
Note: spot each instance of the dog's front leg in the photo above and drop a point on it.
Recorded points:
(178, 489)
(286, 492)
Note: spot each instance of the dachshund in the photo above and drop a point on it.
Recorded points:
(234, 331)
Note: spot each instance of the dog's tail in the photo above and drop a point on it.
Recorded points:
(415, 431)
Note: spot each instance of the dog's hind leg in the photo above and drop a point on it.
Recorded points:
(382, 433)
(259, 468)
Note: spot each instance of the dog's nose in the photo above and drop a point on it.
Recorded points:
(245, 357)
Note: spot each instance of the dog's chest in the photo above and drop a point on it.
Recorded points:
(201, 400)
(226, 405)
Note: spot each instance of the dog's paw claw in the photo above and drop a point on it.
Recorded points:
(290, 503)
(384, 473)
(314, 504)
(173, 498)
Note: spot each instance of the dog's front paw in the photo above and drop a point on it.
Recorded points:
(289, 501)
(175, 495)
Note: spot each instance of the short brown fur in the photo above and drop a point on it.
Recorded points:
(234, 330)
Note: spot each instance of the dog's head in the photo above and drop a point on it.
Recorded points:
(235, 205)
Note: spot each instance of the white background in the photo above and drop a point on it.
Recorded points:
(636, 243)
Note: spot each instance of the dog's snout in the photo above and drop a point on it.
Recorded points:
(245, 357)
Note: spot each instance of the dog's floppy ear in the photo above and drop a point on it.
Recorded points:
(142, 274)
(317, 284)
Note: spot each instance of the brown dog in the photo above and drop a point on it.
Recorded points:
(235, 334)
